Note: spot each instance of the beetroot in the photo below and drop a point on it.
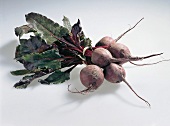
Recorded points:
(115, 73)
(91, 77)
(101, 57)
(105, 41)
(119, 50)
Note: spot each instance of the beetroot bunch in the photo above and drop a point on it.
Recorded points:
(107, 59)
(53, 47)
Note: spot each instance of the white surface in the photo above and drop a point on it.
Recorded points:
(110, 104)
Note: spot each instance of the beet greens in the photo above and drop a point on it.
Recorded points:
(50, 49)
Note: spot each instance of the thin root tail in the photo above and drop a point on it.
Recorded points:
(83, 92)
(135, 92)
(145, 57)
(128, 30)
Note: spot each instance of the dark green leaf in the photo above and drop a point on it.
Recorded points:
(85, 42)
(66, 23)
(33, 45)
(46, 27)
(49, 59)
(56, 77)
(20, 72)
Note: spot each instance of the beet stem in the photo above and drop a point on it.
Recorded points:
(67, 43)
(135, 92)
(128, 30)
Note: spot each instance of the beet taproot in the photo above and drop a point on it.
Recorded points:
(115, 73)
(91, 77)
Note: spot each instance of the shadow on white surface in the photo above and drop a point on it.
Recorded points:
(107, 89)
(104, 91)
(7, 53)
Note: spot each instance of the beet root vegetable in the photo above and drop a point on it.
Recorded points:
(105, 41)
(91, 77)
(115, 73)
(101, 57)
(121, 51)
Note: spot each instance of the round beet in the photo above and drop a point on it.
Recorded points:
(101, 57)
(91, 76)
(113, 73)
(122, 53)
(105, 41)
(119, 50)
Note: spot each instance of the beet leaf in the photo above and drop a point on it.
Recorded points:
(33, 45)
(20, 72)
(19, 31)
(56, 77)
(49, 59)
(46, 27)
(66, 23)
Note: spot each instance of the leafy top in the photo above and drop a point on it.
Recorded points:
(52, 48)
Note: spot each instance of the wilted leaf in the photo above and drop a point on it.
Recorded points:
(66, 23)
(46, 27)
(25, 81)
(19, 31)
(22, 84)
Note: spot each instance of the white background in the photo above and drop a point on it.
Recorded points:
(111, 105)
